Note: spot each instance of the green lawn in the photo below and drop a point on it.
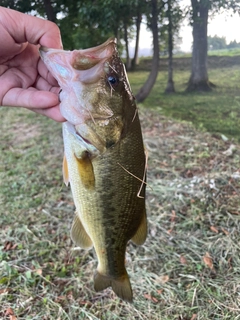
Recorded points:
(217, 111)
(189, 267)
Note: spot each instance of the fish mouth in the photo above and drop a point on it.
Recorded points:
(67, 65)
(88, 58)
(83, 59)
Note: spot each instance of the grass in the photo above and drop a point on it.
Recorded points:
(217, 111)
(189, 267)
(223, 52)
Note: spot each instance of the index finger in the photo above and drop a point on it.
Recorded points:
(25, 28)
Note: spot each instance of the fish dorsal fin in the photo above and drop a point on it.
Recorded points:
(79, 234)
(141, 234)
(65, 171)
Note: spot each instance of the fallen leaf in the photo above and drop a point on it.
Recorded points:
(84, 302)
(12, 317)
(230, 150)
(39, 272)
(173, 216)
(14, 246)
(234, 212)
(162, 279)
(194, 316)
(7, 245)
(9, 312)
(213, 229)
(61, 299)
(149, 297)
(160, 291)
(5, 290)
(208, 261)
(183, 260)
(225, 231)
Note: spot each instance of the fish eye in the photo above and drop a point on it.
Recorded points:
(112, 80)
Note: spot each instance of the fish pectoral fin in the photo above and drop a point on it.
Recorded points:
(121, 286)
(79, 234)
(65, 171)
(86, 171)
(141, 234)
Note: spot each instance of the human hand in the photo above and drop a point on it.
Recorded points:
(24, 79)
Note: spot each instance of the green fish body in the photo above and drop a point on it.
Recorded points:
(104, 157)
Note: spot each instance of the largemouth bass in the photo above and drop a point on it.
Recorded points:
(104, 157)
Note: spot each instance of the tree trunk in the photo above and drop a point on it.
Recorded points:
(49, 10)
(148, 85)
(170, 83)
(199, 76)
(138, 25)
(128, 61)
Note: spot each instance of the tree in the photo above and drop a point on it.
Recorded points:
(200, 11)
(141, 9)
(174, 15)
(216, 43)
(233, 44)
(51, 15)
(148, 85)
(199, 76)
(134, 61)
(170, 84)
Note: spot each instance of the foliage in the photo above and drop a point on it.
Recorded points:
(84, 23)
(219, 43)
(216, 43)
(233, 44)
(177, 15)
(218, 5)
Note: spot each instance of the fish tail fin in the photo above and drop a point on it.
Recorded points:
(121, 286)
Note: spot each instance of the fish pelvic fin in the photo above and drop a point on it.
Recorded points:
(65, 171)
(79, 234)
(141, 234)
(121, 286)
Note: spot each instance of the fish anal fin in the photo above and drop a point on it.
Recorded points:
(79, 234)
(86, 172)
(121, 285)
(141, 234)
(65, 171)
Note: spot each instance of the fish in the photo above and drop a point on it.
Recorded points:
(104, 157)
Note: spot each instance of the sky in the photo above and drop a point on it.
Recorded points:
(222, 25)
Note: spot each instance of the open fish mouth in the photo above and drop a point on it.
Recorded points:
(78, 70)
(81, 60)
